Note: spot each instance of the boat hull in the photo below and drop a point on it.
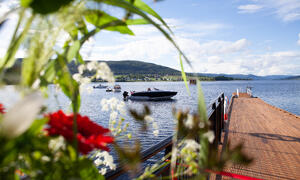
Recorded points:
(146, 98)
(102, 87)
(152, 95)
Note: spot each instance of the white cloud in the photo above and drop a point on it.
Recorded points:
(181, 28)
(286, 10)
(197, 49)
(298, 39)
(286, 62)
(249, 8)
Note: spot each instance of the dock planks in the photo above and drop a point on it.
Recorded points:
(270, 135)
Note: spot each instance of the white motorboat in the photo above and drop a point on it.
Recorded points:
(150, 95)
(117, 88)
(100, 86)
(109, 89)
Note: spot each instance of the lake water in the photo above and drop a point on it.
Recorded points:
(283, 94)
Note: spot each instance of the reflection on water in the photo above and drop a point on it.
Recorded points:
(283, 94)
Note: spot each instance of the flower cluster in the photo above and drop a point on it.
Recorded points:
(2, 109)
(189, 155)
(101, 70)
(117, 108)
(57, 143)
(90, 135)
(104, 158)
(149, 120)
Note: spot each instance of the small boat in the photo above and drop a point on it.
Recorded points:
(109, 89)
(155, 95)
(117, 88)
(100, 86)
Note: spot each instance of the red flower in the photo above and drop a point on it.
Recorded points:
(2, 109)
(90, 135)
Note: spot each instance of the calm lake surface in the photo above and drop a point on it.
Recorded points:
(284, 94)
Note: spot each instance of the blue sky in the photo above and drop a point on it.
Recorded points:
(260, 37)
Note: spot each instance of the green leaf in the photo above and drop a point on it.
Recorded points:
(184, 75)
(80, 59)
(25, 3)
(100, 18)
(73, 50)
(82, 26)
(28, 71)
(73, 31)
(143, 6)
(136, 22)
(46, 6)
(68, 85)
(9, 58)
(50, 71)
(88, 170)
(201, 103)
(72, 152)
(37, 126)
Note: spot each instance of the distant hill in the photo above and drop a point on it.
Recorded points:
(134, 67)
(249, 76)
(293, 78)
(143, 71)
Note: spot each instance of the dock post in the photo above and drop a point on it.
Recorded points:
(213, 121)
(219, 120)
(222, 111)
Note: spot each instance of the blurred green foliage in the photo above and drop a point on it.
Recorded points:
(52, 33)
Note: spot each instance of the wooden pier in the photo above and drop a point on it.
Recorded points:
(270, 135)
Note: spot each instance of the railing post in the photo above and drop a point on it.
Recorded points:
(222, 111)
(219, 117)
(168, 150)
(213, 121)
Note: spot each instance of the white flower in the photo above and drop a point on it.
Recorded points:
(192, 145)
(155, 132)
(45, 158)
(102, 171)
(148, 119)
(113, 102)
(113, 115)
(189, 123)
(210, 135)
(105, 108)
(104, 72)
(36, 84)
(20, 117)
(121, 107)
(77, 77)
(107, 160)
(80, 79)
(92, 65)
(85, 80)
(98, 162)
(201, 124)
(81, 68)
(154, 125)
(57, 143)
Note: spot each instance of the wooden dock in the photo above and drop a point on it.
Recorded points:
(270, 135)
